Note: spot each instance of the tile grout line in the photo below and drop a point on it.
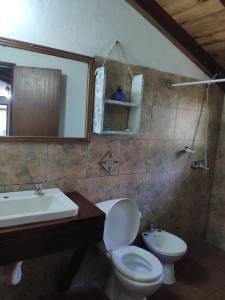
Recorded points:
(87, 157)
(151, 119)
(175, 123)
(46, 166)
(119, 157)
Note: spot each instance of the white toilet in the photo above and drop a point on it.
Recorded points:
(168, 248)
(136, 272)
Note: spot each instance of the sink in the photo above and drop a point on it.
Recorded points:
(25, 207)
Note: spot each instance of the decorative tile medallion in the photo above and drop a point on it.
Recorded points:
(109, 162)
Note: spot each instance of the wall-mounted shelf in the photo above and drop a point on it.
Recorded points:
(121, 103)
(101, 105)
(117, 132)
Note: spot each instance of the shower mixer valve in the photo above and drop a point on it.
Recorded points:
(199, 164)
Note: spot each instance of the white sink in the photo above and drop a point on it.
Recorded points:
(18, 208)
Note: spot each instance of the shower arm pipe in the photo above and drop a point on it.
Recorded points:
(206, 82)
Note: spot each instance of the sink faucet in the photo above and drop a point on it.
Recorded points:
(39, 190)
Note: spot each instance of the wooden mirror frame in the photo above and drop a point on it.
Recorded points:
(64, 54)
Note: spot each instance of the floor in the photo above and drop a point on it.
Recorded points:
(92, 293)
(200, 275)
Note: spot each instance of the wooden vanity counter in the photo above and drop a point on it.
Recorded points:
(32, 240)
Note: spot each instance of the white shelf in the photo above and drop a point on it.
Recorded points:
(100, 104)
(121, 103)
(117, 132)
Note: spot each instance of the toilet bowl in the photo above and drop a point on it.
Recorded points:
(168, 248)
(136, 273)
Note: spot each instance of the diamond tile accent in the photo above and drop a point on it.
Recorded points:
(109, 162)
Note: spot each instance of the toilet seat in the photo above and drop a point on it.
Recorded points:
(137, 264)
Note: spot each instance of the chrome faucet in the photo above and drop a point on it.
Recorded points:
(39, 189)
(152, 228)
(200, 164)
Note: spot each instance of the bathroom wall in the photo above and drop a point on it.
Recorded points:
(153, 169)
(90, 27)
(216, 225)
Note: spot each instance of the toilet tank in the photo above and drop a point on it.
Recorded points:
(121, 224)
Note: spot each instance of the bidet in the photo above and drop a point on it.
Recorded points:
(168, 248)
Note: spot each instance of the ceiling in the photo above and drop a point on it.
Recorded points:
(203, 20)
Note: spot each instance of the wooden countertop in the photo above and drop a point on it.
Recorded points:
(31, 240)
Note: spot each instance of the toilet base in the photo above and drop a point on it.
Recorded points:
(169, 273)
(115, 291)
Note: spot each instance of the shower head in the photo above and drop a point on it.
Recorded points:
(189, 150)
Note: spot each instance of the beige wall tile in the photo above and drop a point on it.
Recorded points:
(133, 156)
(186, 121)
(145, 126)
(167, 155)
(66, 161)
(162, 95)
(216, 232)
(22, 163)
(99, 188)
(190, 97)
(216, 224)
(163, 122)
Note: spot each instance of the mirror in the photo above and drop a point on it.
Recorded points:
(45, 93)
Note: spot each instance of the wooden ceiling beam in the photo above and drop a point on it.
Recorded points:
(153, 12)
(223, 2)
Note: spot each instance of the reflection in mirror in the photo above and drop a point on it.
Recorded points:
(42, 95)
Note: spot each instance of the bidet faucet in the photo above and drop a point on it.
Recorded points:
(152, 228)
(39, 190)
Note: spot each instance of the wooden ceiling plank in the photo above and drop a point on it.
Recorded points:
(175, 7)
(215, 46)
(196, 10)
(207, 24)
(207, 35)
(202, 10)
(152, 11)
(209, 39)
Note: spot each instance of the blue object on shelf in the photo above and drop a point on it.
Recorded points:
(107, 129)
(119, 96)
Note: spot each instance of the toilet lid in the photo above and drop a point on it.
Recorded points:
(137, 264)
(121, 224)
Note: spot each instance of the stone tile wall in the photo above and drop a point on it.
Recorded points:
(153, 168)
(216, 225)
